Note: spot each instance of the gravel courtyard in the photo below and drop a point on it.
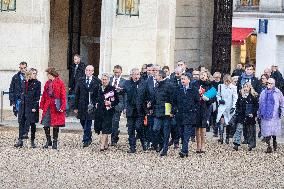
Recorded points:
(74, 167)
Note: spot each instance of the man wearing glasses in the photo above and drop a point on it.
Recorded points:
(15, 89)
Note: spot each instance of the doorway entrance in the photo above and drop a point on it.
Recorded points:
(75, 28)
(84, 30)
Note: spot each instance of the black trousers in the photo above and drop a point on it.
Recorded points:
(115, 127)
(24, 126)
(55, 133)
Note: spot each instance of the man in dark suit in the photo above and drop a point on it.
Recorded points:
(77, 71)
(135, 109)
(118, 82)
(15, 89)
(151, 83)
(85, 98)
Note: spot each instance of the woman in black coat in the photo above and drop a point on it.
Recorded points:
(246, 112)
(105, 107)
(202, 114)
(29, 107)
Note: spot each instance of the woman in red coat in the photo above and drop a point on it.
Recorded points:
(53, 104)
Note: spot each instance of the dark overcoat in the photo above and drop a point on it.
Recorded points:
(30, 100)
(103, 114)
(186, 105)
(82, 95)
(135, 98)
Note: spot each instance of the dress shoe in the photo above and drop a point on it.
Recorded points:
(163, 153)
(131, 151)
(85, 144)
(268, 150)
(33, 144)
(158, 149)
(236, 147)
(19, 144)
(182, 155)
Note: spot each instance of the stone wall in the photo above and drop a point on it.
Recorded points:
(135, 41)
(194, 29)
(58, 36)
(24, 37)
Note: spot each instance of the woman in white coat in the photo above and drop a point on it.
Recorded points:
(227, 97)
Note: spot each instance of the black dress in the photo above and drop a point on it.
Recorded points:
(204, 108)
(103, 121)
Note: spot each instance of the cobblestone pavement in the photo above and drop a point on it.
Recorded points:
(74, 167)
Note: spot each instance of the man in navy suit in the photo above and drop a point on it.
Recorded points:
(118, 82)
(151, 84)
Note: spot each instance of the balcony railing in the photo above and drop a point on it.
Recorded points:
(247, 5)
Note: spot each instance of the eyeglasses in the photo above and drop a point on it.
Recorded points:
(269, 83)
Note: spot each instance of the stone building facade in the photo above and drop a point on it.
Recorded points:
(165, 31)
(269, 49)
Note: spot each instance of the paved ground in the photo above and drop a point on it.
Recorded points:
(74, 167)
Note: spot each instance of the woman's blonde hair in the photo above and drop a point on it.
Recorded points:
(251, 91)
(227, 77)
(28, 74)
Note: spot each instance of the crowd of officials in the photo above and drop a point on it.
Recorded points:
(162, 108)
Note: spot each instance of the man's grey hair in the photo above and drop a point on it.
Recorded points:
(90, 66)
(134, 70)
(157, 67)
(178, 69)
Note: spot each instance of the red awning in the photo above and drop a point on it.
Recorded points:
(239, 35)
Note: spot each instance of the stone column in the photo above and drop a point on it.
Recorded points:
(166, 12)
(108, 14)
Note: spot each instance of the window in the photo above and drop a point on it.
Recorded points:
(8, 5)
(248, 5)
(128, 7)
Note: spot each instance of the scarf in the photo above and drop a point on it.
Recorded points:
(267, 105)
(245, 79)
(50, 89)
(245, 95)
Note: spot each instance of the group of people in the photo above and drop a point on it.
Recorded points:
(162, 108)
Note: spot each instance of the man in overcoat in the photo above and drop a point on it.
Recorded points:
(85, 98)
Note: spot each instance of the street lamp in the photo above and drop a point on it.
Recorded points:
(8, 5)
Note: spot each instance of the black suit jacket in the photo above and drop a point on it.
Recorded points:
(82, 97)
(74, 77)
(121, 94)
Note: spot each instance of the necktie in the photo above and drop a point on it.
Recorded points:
(184, 90)
(76, 67)
(88, 81)
(155, 83)
(115, 83)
